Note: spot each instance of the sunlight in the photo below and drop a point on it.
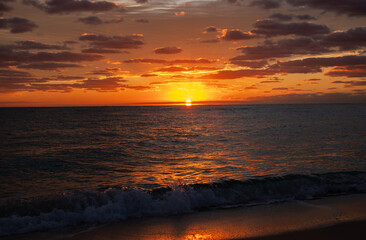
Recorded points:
(188, 103)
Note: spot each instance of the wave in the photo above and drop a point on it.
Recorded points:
(97, 207)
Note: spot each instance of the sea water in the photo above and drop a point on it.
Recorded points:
(91, 165)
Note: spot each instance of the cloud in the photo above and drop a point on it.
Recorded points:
(103, 85)
(141, 1)
(4, 7)
(184, 69)
(271, 28)
(94, 20)
(349, 40)
(14, 73)
(289, 17)
(142, 20)
(281, 17)
(48, 66)
(210, 29)
(149, 75)
(70, 6)
(171, 62)
(210, 41)
(106, 72)
(101, 50)
(250, 64)
(314, 65)
(167, 50)
(8, 55)
(91, 20)
(17, 25)
(114, 42)
(358, 71)
(233, 74)
(146, 60)
(351, 83)
(235, 35)
(193, 61)
(305, 17)
(350, 8)
(266, 4)
(282, 48)
(29, 45)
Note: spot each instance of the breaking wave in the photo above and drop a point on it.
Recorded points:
(114, 204)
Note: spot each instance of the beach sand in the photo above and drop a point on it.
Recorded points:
(340, 217)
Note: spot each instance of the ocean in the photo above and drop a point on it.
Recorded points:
(76, 166)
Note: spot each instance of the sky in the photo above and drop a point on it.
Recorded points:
(151, 52)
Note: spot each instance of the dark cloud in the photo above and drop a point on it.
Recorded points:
(305, 17)
(177, 61)
(250, 64)
(183, 69)
(146, 60)
(29, 45)
(351, 83)
(141, 1)
(116, 20)
(210, 29)
(103, 85)
(167, 50)
(282, 48)
(351, 8)
(69, 6)
(348, 71)
(281, 17)
(4, 8)
(91, 20)
(101, 50)
(8, 55)
(210, 41)
(94, 20)
(266, 4)
(314, 65)
(14, 73)
(106, 72)
(116, 42)
(235, 35)
(270, 28)
(270, 81)
(149, 75)
(351, 39)
(17, 25)
(192, 61)
(48, 66)
(233, 74)
(142, 20)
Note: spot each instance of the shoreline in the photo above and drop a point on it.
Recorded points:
(355, 230)
(326, 218)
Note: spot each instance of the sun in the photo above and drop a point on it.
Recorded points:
(188, 103)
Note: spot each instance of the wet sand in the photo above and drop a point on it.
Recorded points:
(341, 217)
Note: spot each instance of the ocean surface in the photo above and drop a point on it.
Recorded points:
(75, 166)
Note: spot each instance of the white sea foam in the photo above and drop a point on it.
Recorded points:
(88, 207)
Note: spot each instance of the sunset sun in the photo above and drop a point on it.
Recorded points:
(188, 102)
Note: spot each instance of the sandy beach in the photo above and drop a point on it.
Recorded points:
(340, 217)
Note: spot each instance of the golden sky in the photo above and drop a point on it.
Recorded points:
(83, 53)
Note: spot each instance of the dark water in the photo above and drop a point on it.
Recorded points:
(69, 166)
